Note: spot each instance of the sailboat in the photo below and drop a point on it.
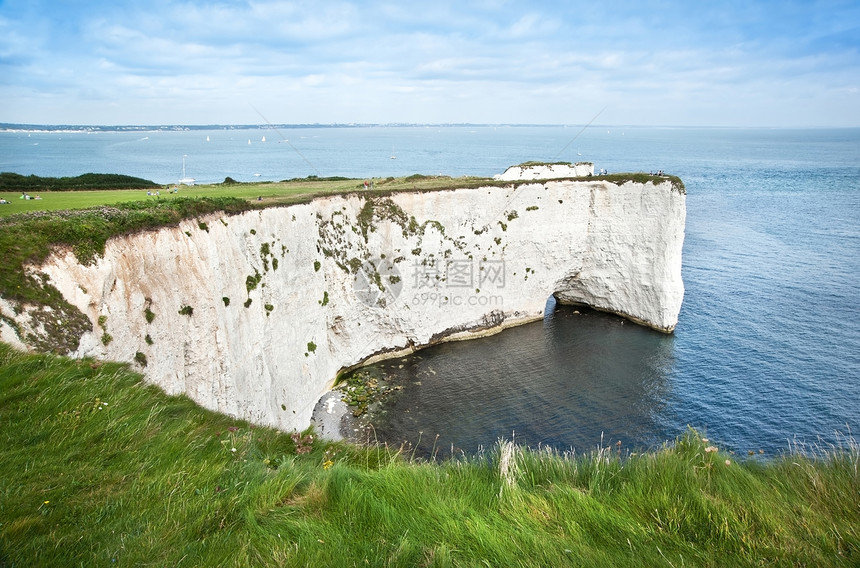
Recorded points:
(393, 155)
(185, 180)
(263, 139)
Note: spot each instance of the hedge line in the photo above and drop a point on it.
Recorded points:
(16, 182)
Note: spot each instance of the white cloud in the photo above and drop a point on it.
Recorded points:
(492, 61)
(532, 25)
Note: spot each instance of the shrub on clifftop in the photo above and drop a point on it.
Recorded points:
(32, 184)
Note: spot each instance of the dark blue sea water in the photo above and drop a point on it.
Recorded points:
(767, 350)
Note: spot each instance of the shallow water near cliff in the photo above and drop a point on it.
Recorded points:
(563, 382)
(767, 349)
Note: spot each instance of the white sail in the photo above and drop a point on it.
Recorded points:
(185, 180)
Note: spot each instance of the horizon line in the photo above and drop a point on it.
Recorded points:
(19, 126)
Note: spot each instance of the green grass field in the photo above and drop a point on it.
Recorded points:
(98, 469)
(65, 200)
(266, 193)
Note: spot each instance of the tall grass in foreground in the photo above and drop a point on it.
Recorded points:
(99, 469)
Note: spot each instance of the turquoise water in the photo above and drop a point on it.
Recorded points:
(767, 350)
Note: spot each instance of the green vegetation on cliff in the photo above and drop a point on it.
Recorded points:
(96, 468)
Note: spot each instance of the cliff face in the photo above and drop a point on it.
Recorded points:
(255, 314)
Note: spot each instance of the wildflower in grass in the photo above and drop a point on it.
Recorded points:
(728, 462)
(232, 428)
(328, 464)
(710, 449)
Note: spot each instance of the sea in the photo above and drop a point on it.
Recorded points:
(766, 355)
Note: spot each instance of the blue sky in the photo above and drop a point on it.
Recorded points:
(652, 62)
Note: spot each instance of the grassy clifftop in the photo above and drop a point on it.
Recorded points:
(98, 469)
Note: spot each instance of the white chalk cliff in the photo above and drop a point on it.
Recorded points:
(277, 301)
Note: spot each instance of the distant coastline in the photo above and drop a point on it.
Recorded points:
(15, 127)
(94, 128)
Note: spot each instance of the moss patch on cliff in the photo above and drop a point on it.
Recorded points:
(252, 281)
(382, 209)
(346, 240)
